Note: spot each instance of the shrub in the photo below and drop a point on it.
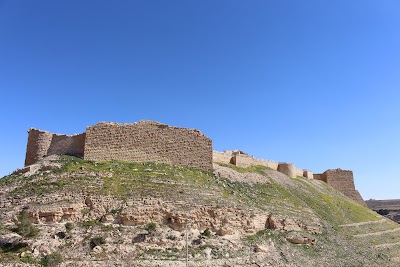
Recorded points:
(206, 233)
(69, 226)
(87, 224)
(51, 260)
(116, 211)
(150, 227)
(383, 212)
(96, 241)
(23, 225)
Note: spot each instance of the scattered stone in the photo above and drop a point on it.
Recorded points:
(61, 235)
(22, 170)
(97, 250)
(260, 249)
(207, 253)
(139, 238)
(108, 218)
(300, 239)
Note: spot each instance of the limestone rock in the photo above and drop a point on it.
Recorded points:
(11, 239)
(300, 239)
(287, 224)
(97, 250)
(260, 249)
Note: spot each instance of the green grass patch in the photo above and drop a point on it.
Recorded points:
(260, 169)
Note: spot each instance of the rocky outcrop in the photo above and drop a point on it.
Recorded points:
(55, 213)
(296, 238)
(287, 224)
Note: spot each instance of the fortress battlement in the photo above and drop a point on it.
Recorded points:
(341, 180)
(150, 141)
(136, 142)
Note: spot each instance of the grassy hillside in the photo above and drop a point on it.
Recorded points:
(351, 235)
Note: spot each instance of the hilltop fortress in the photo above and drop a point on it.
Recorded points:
(149, 141)
(144, 141)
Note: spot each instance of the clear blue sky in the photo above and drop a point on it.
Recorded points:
(316, 83)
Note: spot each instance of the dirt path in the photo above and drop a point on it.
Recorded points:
(363, 223)
(378, 233)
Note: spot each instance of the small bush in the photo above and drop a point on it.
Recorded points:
(23, 225)
(383, 212)
(87, 224)
(206, 233)
(96, 241)
(69, 226)
(51, 260)
(150, 227)
(28, 258)
(116, 211)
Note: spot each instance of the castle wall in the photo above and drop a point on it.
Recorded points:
(67, 145)
(222, 157)
(287, 168)
(299, 172)
(319, 176)
(148, 142)
(247, 161)
(343, 181)
(38, 145)
(308, 174)
(42, 144)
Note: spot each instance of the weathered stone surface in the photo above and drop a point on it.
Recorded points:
(287, 224)
(343, 181)
(308, 174)
(22, 170)
(11, 239)
(42, 144)
(145, 141)
(287, 168)
(97, 250)
(260, 249)
(300, 239)
(148, 141)
(55, 213)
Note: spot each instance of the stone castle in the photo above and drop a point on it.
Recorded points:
(149, 141)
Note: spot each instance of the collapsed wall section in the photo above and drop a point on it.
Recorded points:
(148, 141)
(42, 144)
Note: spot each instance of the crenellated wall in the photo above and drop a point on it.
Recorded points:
(341, 180)
(246, 161)
(241, 159)
(147, 141)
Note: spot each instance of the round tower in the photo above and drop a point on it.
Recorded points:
(38, 145)
(287, 168)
